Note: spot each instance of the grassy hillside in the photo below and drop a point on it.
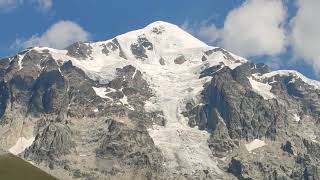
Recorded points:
(14, 168)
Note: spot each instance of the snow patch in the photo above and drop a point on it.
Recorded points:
(218, 55)
(295, 74)
(262, 89)
(101, 92)
(313, 137)
(21, 145)
(124, 101)
(293, 80)
(150, 106)
(296, 117)
(134, 74)
(255, 144)
(20, 58)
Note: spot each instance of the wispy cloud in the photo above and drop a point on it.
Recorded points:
(59, 35)
(44, 5)
(8, 5)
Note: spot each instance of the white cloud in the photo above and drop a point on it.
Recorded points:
(59, 35)
(305, 32)
(209, 32)
(253, 29)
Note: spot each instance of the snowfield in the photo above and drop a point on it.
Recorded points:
(295, 74)
(21, 144)
(262, 89)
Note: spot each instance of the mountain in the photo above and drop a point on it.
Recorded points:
(157, 103)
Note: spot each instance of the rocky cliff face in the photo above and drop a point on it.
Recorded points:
(157, 103)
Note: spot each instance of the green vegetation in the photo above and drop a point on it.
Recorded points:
(14, 168)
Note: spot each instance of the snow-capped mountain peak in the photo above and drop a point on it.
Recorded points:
(171, 61)
(155, 101)
(160, 44)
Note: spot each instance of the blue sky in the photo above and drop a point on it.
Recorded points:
(23, 22)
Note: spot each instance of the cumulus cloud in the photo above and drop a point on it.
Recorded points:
(256, 28)
(59, 35)
(253, 29)
(305, 32)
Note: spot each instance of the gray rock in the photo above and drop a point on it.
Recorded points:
(4, 64)
(132, 147)
(226, 53)
(139, 49)
(246, 114)
(4, 97)
(50, 144)
(79, 50)
(144, 42)
(158, 30)
(180, 60)
(210, 71)
(287, 147)
(204, 58)
(115, 45)
(220, 142)
(237, 113)
(105, 49)
(48, 93)
(243, 169)
(162, 62)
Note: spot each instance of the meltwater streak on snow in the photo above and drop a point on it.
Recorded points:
(21, 145)
(262, 89)
(185, 148)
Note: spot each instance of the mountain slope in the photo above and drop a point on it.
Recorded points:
(158, 103)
